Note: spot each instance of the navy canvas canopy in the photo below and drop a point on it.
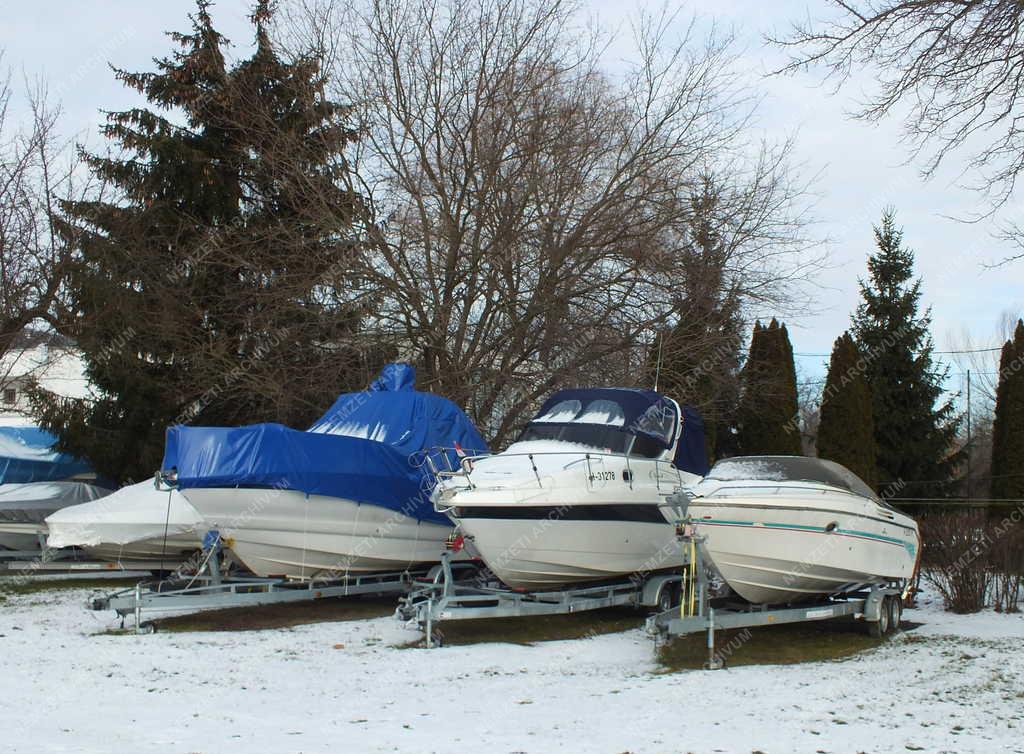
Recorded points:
(27, 455)
(361, 449)
(635, 410)
(691, 453)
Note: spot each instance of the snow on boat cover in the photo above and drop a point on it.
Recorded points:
(27, 455)
(359, 450)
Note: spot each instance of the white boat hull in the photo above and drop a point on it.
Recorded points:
(545, 554)
(770, 553)
(287, 533)
(175, 550)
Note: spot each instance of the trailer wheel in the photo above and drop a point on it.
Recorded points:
(880, 628)
(669, 597)
(895, 613)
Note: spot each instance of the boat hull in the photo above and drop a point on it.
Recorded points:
(547, 554)
(174, 550)
(773, 554)
(289, 533)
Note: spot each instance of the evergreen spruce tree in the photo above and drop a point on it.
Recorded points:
(768, 412)
(208, 286)
(699, 355)
(846, 429)
(1008, 427)
(914, 427)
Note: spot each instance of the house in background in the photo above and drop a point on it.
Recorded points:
(43, 359)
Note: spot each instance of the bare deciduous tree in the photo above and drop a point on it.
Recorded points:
(952, 69)
(32, 259)
(38, 169)
(527, 211)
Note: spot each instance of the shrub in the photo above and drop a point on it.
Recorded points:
(972, 555)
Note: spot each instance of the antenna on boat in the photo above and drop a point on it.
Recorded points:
(657, 368)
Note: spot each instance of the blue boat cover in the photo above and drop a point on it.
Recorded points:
(367, 448)
(637, 411)
(27, 455)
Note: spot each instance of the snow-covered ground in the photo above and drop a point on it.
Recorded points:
(954, 684)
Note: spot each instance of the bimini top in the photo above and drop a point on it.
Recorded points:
(625, 413)
(361, 449)
(789, 469)
(27, 455)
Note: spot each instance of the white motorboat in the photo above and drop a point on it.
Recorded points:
(351, 495)
(24, 508)
(136, 523)
(782, 529)
(576, 498)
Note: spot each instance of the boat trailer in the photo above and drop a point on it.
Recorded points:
(880, 607)
(210, 589)
(460, 591)
(683, 601)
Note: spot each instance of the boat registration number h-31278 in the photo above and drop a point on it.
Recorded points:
(602, 476)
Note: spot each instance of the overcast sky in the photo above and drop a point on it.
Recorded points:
(862, 167)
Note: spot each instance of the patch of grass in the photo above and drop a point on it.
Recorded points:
(332, 609)
(529, 630)
(771, 645)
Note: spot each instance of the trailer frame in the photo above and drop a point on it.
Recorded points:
(209, 589)
(56, 560)
(879, 606)
(443, 596)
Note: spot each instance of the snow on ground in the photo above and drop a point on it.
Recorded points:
(954, 685)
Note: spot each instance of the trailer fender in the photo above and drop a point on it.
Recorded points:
(654, 587)
(875, 603)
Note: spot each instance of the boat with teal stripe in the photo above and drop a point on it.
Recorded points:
(784, 529)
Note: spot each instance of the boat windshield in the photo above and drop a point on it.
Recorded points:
(789, 469)
(608, 439)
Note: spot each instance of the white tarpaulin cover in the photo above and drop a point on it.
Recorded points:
(132, 514)
(30, 503)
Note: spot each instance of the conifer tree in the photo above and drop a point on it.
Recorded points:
(914, 427)
(700, 354)
(846, 429)
(207, 289)
(1008, 427)
(768, 412)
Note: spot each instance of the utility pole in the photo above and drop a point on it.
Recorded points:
(970, 449)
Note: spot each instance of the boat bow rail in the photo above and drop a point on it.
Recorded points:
(661, 472)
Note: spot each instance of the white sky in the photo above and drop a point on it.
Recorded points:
(861, 166)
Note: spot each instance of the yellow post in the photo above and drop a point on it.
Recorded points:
(693, 577)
